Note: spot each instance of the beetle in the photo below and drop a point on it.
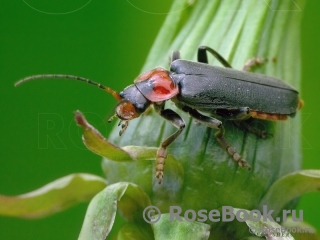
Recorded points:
(204, 92)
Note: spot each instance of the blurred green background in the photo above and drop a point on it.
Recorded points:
(108, 42)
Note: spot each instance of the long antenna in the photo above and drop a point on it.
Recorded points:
(72, 77)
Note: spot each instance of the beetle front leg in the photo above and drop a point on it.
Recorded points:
(178, 122)
(224, 144)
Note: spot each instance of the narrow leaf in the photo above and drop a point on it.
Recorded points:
(97, 143)
(127, 197)
(53, 197)
(289, 187)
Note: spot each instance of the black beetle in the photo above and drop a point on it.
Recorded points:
(197, 87)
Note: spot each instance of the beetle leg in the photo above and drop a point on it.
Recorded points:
(224, 144)
(203, 58)
(247, 127)
(124, 125)
(253, 62)
(205, 120)
(178, 122)
(241, 113)
(239, 117)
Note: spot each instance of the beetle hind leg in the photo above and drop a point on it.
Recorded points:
(241, 113)
(224, 144)
(246, 126)
(216, 124)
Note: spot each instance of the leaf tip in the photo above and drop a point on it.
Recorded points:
(80, 119)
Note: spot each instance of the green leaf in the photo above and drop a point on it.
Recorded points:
(97, 143)
(127, 197)
(261, 227)
(289, 187)
(53, 197)
(167, 229)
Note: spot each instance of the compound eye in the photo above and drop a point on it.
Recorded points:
(126, 111)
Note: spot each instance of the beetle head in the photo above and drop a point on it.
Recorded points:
(130, 106)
